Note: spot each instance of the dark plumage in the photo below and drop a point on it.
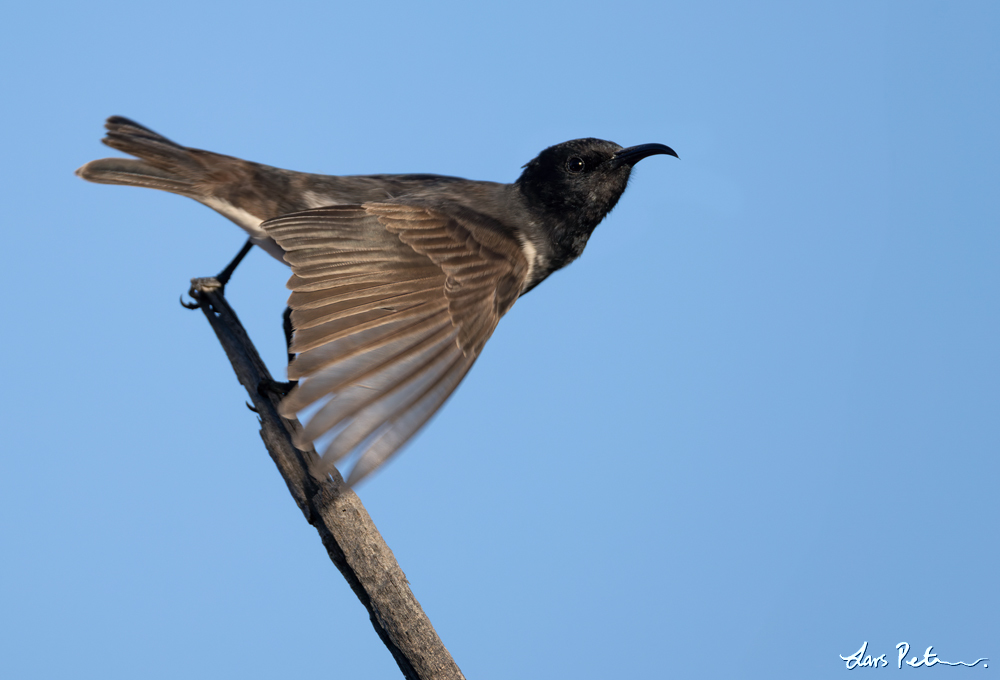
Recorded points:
(397, 280)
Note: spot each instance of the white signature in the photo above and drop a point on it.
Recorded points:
(861, 660)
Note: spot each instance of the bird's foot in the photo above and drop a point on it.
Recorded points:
(208, 284)
(268, 388)
(215, 283)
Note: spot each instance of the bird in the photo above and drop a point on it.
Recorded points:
(398, 280)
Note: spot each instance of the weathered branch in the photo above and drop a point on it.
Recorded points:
(350, 536)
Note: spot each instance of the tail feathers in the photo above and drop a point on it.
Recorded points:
(128, 136)
(136, 173)
(164, 164)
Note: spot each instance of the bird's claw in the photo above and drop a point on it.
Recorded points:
(206, 284)
(191, 305)
(268, 388)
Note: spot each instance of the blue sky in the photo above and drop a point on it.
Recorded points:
(755, 426)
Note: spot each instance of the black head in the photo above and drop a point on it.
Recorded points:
(573, 185)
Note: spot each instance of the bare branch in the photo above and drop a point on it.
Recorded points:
(350, 536)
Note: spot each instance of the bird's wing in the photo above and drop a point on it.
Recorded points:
(391, 305)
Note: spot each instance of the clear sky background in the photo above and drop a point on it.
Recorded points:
(755, 426)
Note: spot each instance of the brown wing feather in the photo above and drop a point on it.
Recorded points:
(391, 305)
(485, 270)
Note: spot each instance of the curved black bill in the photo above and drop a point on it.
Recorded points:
(634, 154)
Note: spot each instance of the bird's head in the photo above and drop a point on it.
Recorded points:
(572, 186)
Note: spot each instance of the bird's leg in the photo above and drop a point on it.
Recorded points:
(224, 276)
(275, 386)
(217, 282)
(286, 319)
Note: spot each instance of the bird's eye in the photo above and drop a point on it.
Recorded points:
(575, 165)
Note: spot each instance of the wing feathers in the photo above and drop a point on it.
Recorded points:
(310, 338)
(406, 425)
(367, 366)
(360, 290)
(314, 316)
(311, 362)
(378, 384)
(392, 402)
(391, 305)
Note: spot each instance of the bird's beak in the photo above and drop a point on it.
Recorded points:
(634, 154)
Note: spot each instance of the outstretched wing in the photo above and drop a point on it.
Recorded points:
(391, 305)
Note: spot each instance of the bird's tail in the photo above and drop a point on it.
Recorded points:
(162, 164)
